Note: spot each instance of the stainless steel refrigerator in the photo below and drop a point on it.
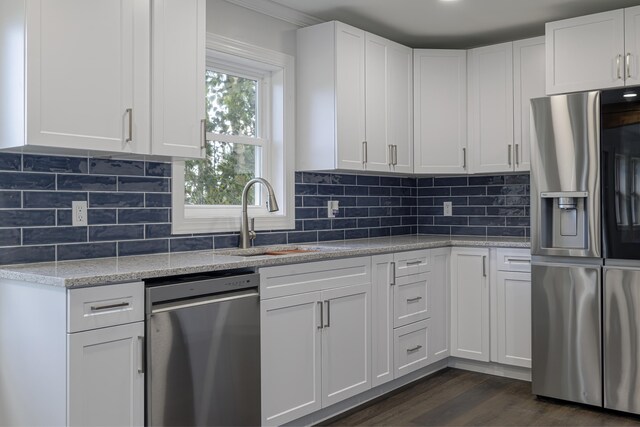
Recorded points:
(566, 248)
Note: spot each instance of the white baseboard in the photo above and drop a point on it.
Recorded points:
(491, 368)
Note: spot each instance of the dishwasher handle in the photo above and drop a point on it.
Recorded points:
(213, 299)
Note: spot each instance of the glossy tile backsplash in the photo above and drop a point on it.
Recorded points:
(130, 208)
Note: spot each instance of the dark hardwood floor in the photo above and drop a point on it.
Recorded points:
(460, 398)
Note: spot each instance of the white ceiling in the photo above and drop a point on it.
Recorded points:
(453, 24)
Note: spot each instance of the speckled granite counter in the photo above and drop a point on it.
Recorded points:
(126, 269)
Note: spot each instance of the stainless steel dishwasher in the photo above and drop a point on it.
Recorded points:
(203, 350)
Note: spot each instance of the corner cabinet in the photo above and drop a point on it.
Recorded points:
(93, 339)
(354, 98)
(78, 78)
(315, 336)
(596, 51)
(440, 111)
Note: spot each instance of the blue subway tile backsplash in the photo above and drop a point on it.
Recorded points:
(130, 208)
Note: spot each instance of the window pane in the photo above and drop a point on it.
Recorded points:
(231, 104)
(220, 178)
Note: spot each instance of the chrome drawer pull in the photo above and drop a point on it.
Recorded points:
(519, 260)
(321, 315)
(416, 299)
(414, 349)
(110, 306)
(414, 262)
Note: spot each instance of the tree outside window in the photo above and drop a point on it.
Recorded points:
(233, 150)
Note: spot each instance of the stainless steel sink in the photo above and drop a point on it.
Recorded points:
(268, 251)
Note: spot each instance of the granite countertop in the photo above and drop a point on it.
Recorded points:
(131, 268)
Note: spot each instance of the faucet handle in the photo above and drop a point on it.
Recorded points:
(252, 228)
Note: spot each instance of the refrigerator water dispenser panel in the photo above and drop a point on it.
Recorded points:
(564, 220)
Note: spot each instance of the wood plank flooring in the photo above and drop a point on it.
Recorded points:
(454, 397)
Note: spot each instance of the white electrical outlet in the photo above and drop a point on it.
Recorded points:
(79, 213)
(448, 209)
(333, 206)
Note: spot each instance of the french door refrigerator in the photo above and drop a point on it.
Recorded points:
(566, 248)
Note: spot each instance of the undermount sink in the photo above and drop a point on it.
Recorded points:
(267, 251)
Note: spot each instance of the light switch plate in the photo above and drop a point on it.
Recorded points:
(448, 209)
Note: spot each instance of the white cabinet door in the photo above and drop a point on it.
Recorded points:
(470, 303)
(411, 344)
(178, 79)
(411, 299)
(440, 303)
(399, 106)
(528, 83)
(513, 306)
(350, 96)
(440, 111)
(632, 45)
(490, 130)
(105, 376)
(381, 320)
(585, 53)
(377, 132)
(346, 346)
(87, 75)
(290, 353)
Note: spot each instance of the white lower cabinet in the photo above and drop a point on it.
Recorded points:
(410, 307)
(511, 313)
(72, 357)
(470, 303)
(106, 376)
(316, 348)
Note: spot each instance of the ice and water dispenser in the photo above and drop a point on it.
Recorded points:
(564, 220)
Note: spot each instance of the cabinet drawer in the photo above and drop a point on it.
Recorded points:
(413, 262)
(410, 344)
(293, 279)
(411, 299)
(102, 306)
(513, 259)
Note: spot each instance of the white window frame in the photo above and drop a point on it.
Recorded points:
(276, 129)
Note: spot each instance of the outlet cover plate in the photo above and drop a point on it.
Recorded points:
(79, 213)
(448, 209)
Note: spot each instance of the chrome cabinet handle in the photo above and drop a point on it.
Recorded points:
(109, 306)
(364, 151)
(618, 59)
(509, 150)
(141, 352)
(203, 132)
(395, 155)
(416, 299)
(519, 260)
(628, 64)
(393, 273)
(328, 313)
(129, 112)
(321, 315)
(464, 158)
(390, 155)
(484, 266)
(517, 154)
(416, 348)
(410, 263)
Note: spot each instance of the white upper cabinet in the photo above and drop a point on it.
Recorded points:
(528, 83)
(632, 45)
(178, 79)
(503, 79)
(588, 52)
(78, 78)
(440, 111)
(490, 100)
(354, 98)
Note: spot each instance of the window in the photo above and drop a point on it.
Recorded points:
(249, 134)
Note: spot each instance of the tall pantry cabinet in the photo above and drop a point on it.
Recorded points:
(354, 101)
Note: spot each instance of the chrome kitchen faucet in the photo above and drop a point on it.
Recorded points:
(247, 234)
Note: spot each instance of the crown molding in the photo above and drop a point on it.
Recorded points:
(275, 10)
